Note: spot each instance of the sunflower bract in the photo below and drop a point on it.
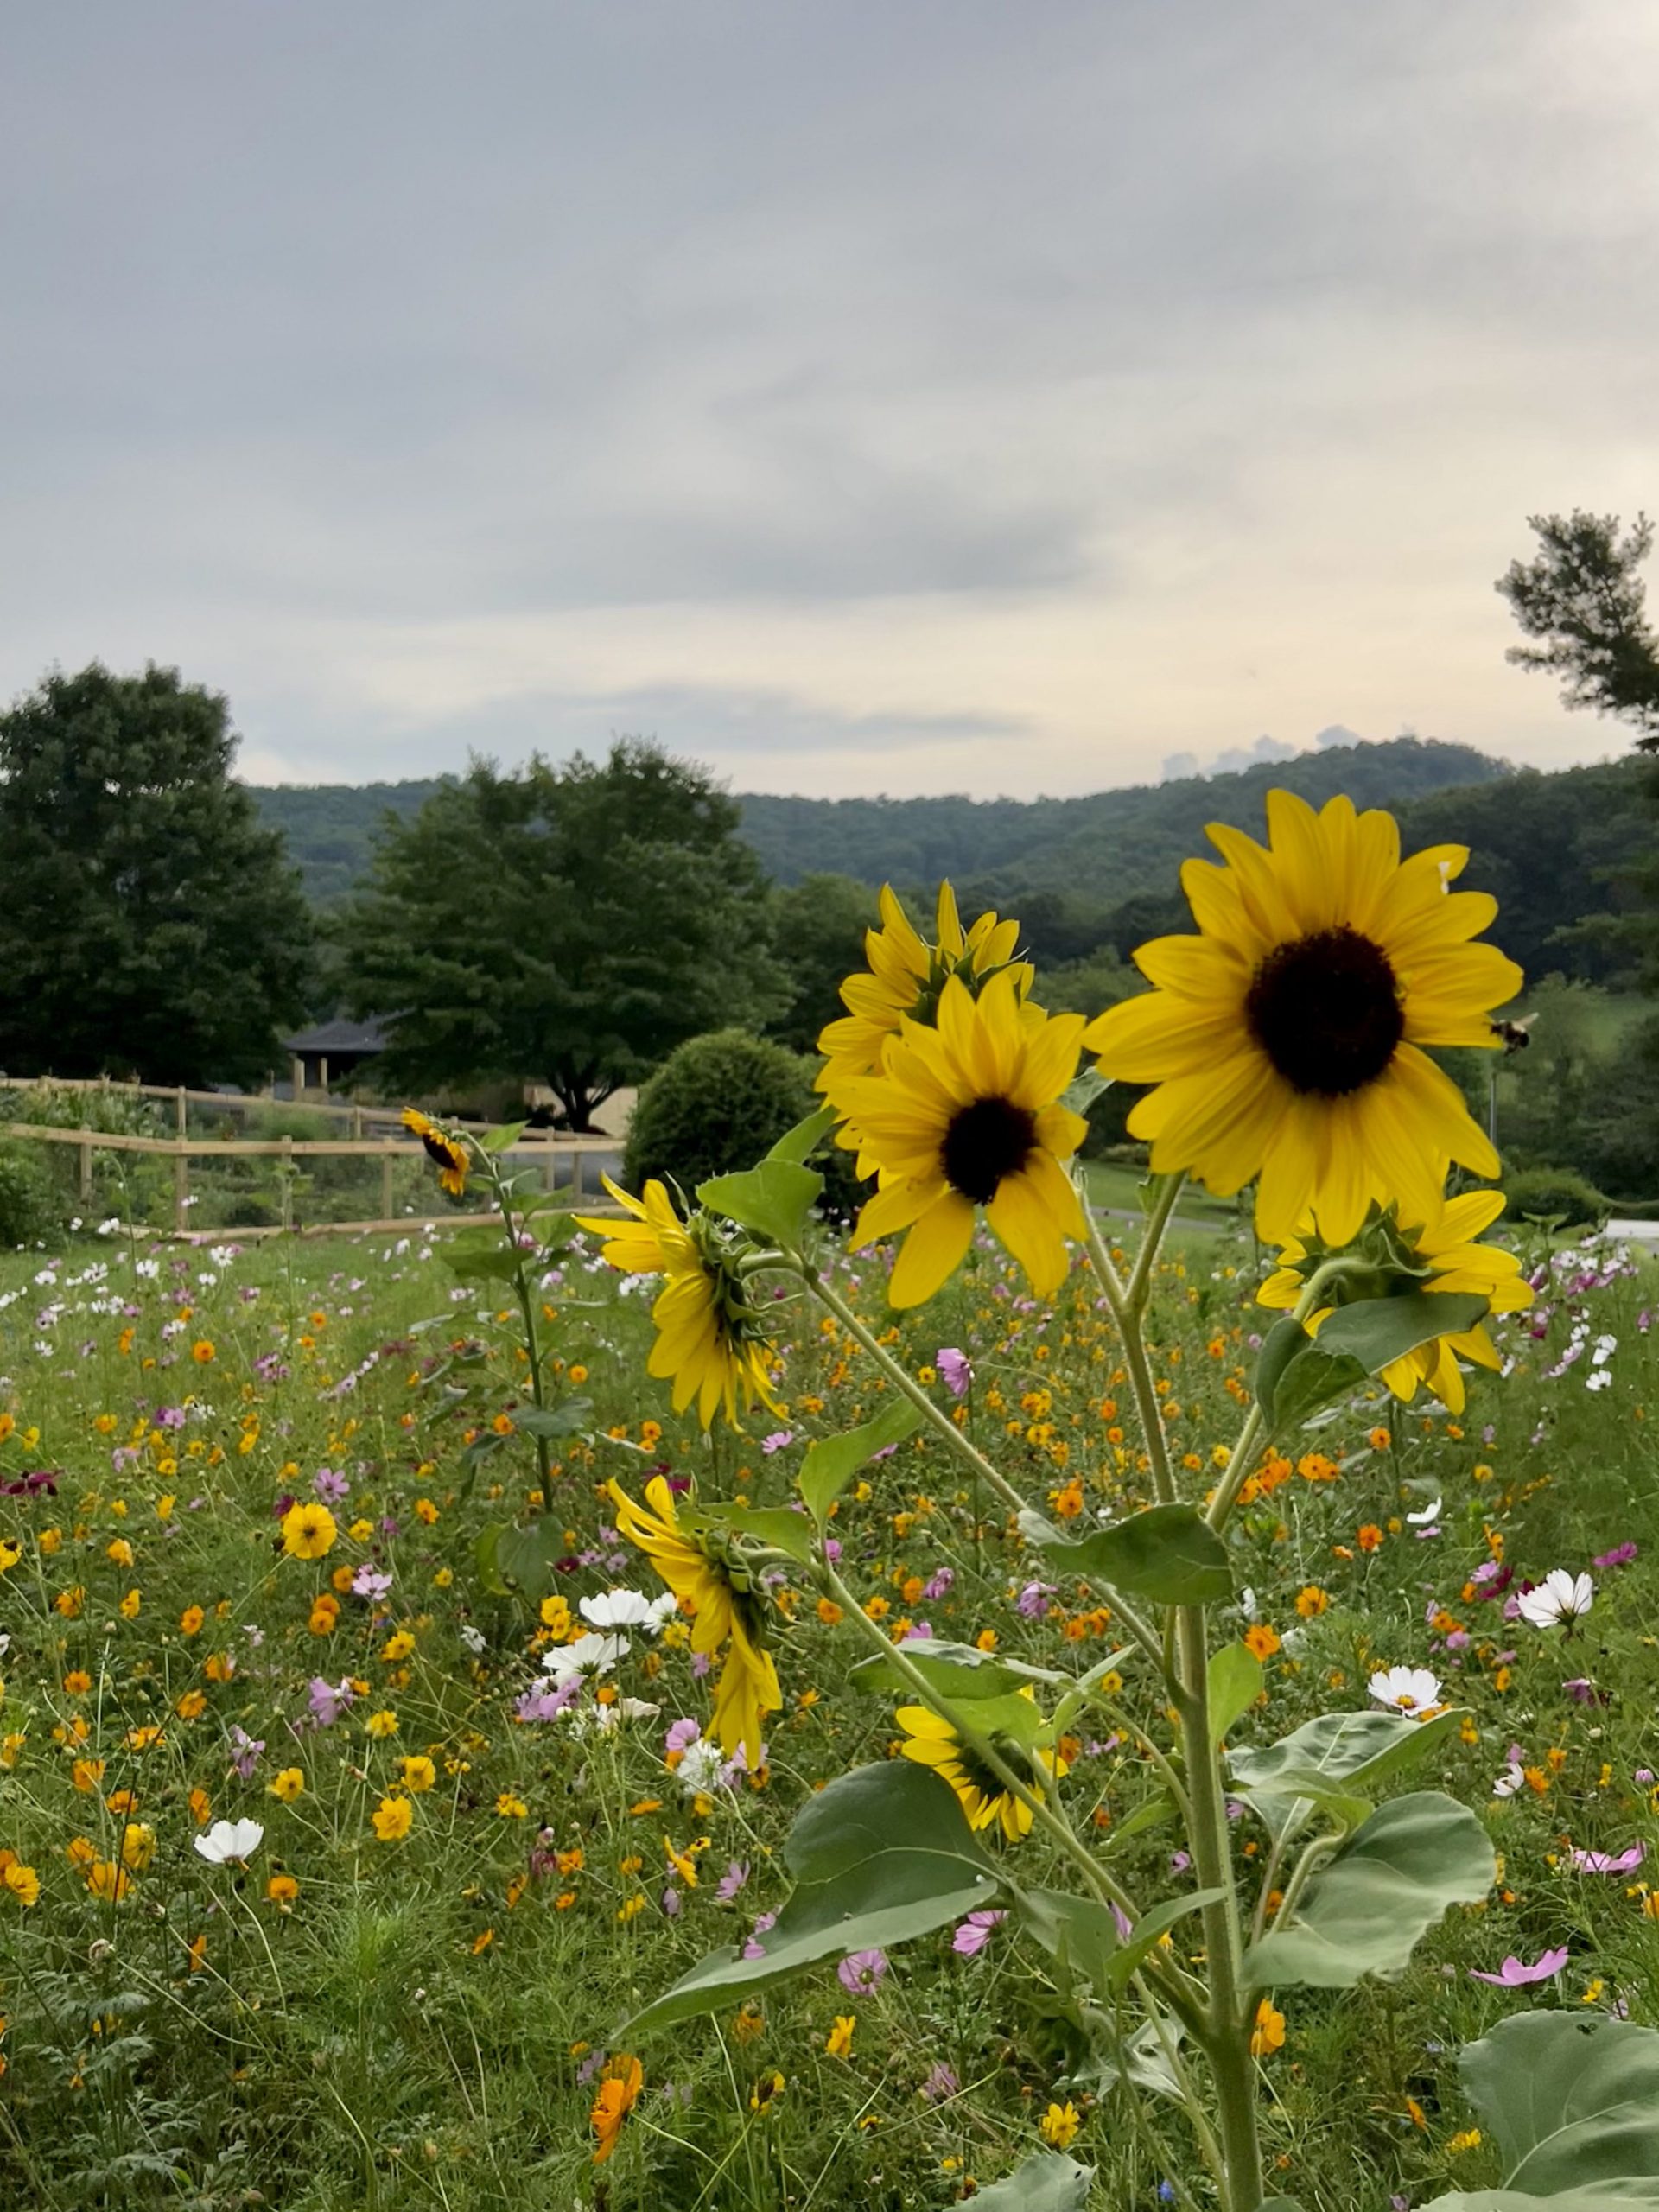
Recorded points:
(1447, 1242)
(1285, 1041)
(710, 1343)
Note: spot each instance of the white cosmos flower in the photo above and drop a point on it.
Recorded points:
(228, 1839)
(1509, 1780)
(617, 1609)
(698, 1771)
(1560, 1598)
(588, 1655)
(1429, 1513)
(475, 1642)
(604, 1718)
(1407, 1689)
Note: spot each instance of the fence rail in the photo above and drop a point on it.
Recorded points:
(548, 1148)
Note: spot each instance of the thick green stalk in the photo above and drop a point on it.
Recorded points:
(1135, 1362)
(1229, 2045)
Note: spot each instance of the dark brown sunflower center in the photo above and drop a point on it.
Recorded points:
(985, 1141)
(1325, 1010)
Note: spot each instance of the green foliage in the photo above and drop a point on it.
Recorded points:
(818, 927)
(832, 1461)
(1367, 1908)
(1049, 2180)
(1573, 2101)
(572, 922)
(718, 1104)
(1582, 595)
(881, 1855)
(151, 925)
(29, 1208)
(1552, 1194)
(1167, 1553)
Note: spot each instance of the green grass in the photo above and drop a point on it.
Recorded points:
(412, 2031)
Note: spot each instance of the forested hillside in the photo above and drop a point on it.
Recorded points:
(1113, 844)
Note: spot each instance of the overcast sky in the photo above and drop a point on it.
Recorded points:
(873, 395)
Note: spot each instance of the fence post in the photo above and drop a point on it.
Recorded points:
(285, 1170)
(357, 1125)
(576, 1177)
(181, 1190)
(181, 1112)
(386, 1180)
(86, 1152)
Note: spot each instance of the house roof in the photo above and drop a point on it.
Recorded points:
(364, 1037)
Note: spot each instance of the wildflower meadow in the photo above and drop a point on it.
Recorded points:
(695, 1705)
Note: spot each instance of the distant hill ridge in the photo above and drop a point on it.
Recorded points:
(1115, 844)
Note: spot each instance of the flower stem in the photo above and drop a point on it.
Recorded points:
(1128, 1318)
(982, 1468)
(503, 1197)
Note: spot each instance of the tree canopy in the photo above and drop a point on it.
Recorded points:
(1583, 595)
(572, 924)
(151, 923)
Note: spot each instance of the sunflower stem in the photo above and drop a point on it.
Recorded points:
(1238, 1469)
(1228, 2042)
(1134, 1354)
(1138, 1289)
(502, 1196)
(982, 1468)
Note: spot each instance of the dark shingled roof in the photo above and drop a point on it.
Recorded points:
(338, 1037)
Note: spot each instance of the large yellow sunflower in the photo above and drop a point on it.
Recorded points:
(1286, 1038)
(727, 1610)
(984, 1796)
(1448, 1243)
(968, 1114)
(710, 1340)
(906, 975)
(447, 1154)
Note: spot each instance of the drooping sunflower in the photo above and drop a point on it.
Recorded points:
(904, 978)
(1446, 1245)
(984, 1796)
(1286, 1038)
(968, 1114)
(711, 1341)
(446, 1153)
(728, 1609)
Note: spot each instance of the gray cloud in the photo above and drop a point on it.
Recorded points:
(1111, 377)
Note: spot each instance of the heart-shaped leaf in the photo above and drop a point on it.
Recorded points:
(1167, 1553)
(1295, 1376)
(1078, 1931)
(1364, 1912)
(956, 1670)
(779, 1525)
(796, 1146)
(1049, 2180)
(773, 1199)
(882, 1855)
(832, 1461)
(1378, 1331)
(1350, 1753)
(1572, 2100)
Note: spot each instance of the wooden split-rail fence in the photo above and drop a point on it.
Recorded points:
(547, 1150)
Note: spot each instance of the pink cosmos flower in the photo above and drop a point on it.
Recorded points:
(955, 1369)
(1609, 1862)
(861, 1973)
(974, 1933)
(1515, 1974)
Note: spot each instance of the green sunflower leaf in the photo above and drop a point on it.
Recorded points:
(797, 1144)
(1572, 2100)
(1049, 2180)
(1353, 1751)
(1150, 1929)
(1167, 1553)
(956, 1670)
(1236, 1679)
(1378, 1331)
(779, 1525)
(1363, 1912)
(574, 1417)
(522, 1560)
(832, 1461)
(503, 1137)
(882, 1855)
(773, 1199)
(1079, 1932)
(481, 1255)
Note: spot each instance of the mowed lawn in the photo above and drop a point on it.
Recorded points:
(401, 1993)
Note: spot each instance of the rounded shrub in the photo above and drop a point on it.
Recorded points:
(29, 1208)
(720, 1102)
(1554, 1194)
